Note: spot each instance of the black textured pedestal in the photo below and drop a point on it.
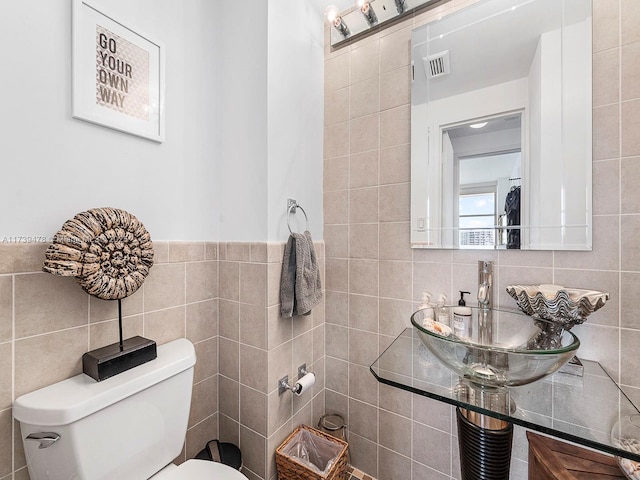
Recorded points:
(113, 359)
(485, 453)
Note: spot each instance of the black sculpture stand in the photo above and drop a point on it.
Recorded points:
(116, 358)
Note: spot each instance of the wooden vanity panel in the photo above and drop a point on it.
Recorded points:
(550, 459)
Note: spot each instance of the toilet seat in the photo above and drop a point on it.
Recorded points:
(199, 469)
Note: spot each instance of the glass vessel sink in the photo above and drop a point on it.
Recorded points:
(497, 348)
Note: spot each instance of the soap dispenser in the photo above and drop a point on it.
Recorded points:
(462, 318)
(442, 315)
(428, 316)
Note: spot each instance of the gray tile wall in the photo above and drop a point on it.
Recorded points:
(257, 347)
(374, 280)
(48, 322)
(223, 297)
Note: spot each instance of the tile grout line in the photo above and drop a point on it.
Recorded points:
(620, 99)
(184, 305)
(13, 371)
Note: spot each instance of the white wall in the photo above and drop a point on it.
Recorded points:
(545, 212)
(559, 66)
(54, 166)
(241, 110)
(577, 152)
(295, 115)
(244, 106)
(532, 176)
(269, 111)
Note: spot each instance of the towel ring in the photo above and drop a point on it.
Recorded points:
(292, 208)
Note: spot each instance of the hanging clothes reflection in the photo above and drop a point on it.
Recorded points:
(512, 211)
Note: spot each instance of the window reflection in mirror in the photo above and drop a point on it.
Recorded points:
(477, 216)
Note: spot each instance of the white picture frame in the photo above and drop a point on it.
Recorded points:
(117, 74)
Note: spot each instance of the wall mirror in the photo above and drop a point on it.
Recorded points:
(501, 127)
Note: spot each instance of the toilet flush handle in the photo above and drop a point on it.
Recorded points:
(46, 439)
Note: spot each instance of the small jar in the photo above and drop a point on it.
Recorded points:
(333, 424)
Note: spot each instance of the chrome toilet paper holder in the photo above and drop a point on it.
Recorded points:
(283, 383)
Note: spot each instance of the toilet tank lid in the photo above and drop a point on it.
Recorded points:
(77, 397)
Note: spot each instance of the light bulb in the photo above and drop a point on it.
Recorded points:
(331, 13)
(368, 12)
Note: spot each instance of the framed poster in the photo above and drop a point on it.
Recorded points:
(118, 74)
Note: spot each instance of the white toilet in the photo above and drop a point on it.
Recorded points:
(130, 426)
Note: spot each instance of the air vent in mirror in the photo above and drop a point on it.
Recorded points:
(437, 65)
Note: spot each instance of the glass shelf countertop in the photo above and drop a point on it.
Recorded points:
(578, 409)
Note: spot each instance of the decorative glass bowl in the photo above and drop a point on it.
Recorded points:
(566, 306)
(626, 435)
(502, 348)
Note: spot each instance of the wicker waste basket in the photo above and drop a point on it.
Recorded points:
(309, 454)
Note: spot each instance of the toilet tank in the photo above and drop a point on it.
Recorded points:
(126, 427)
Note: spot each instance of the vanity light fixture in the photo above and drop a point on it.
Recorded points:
(339, 25)
(401, 6)
(478, 125)
(375, 12)
(332, 15)
(368, 12)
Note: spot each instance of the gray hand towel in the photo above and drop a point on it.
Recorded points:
(300, 288)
